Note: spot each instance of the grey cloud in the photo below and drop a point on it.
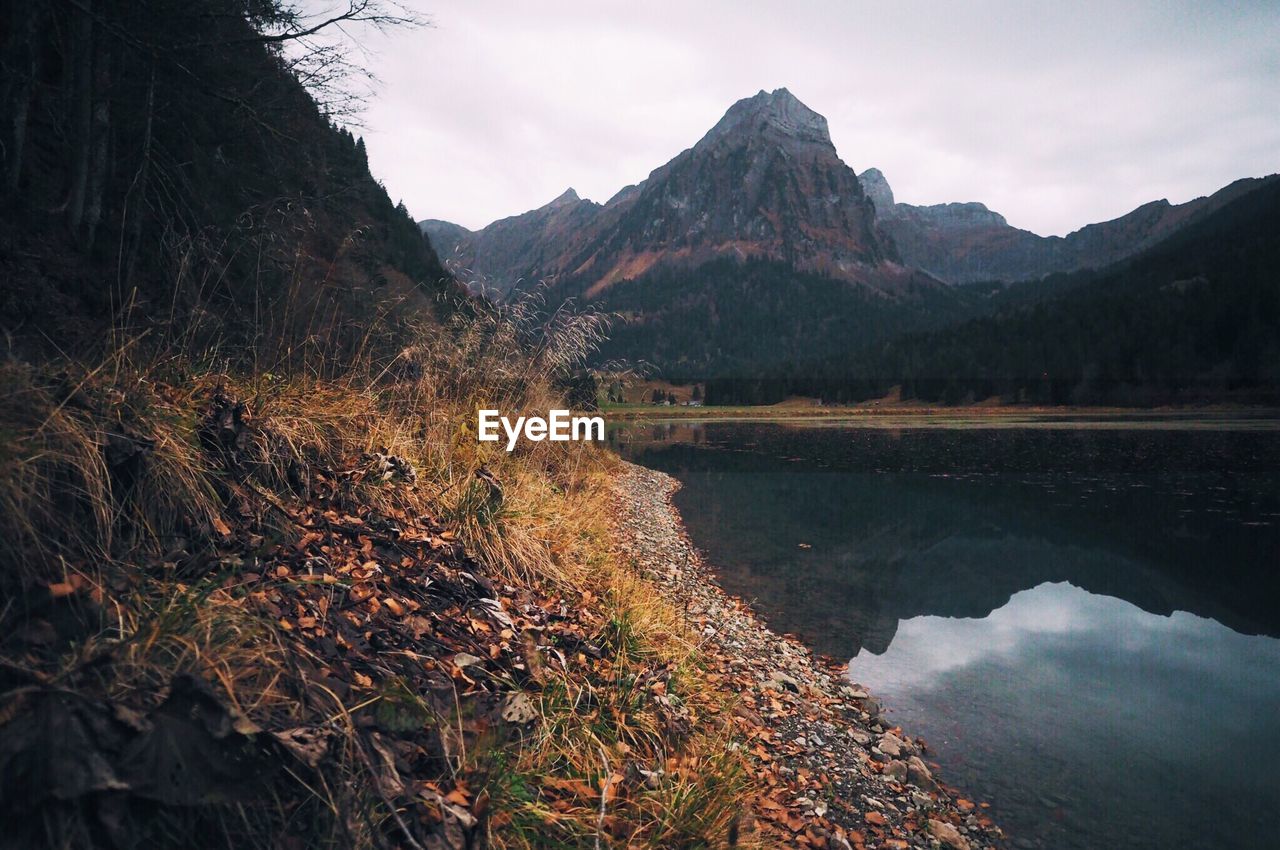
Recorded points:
(1055, 116)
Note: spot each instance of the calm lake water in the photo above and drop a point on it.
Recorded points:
(1081, 620)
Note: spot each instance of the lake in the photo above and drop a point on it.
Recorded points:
(1079, 617)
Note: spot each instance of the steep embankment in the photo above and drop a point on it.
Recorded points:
(263, 612)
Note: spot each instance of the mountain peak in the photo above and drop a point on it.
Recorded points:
(775, 113)
(781, 98)
(569, 196)
(875, 187)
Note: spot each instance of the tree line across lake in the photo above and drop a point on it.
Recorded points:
(1195, 319)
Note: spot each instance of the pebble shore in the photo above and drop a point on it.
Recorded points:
(839, 774)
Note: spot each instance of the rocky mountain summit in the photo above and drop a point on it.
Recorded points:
(778, 114)
(764, 183)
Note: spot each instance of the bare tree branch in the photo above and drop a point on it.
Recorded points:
(376, 13)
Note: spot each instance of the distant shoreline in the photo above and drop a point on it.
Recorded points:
(1252, 417)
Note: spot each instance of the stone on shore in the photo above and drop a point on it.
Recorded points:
(918, 774)
(891, 745)
(948, 835)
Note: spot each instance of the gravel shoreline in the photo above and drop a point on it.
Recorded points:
(841, 775)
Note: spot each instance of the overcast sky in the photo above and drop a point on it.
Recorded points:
(1054, 115)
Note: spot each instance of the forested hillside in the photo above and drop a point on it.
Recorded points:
(1194, 319)
(731, 319)
(167, 172)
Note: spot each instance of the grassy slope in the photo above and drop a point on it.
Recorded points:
(258, 548)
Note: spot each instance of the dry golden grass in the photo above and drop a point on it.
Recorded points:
(106, 471)
(599, 728)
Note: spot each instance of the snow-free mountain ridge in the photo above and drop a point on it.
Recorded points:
(766, 182)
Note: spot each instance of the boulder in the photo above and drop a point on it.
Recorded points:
(897, 770)
(948, 835)
(891, 745)
(918, 774)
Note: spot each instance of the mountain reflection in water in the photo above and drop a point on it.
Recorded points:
(1090, 724)
(900, 524)
(1080, 621)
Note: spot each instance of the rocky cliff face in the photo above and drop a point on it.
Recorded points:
(964, 243)
(765, 183)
